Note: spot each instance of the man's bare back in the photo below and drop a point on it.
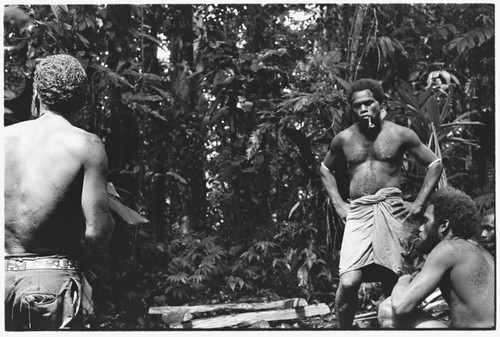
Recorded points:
(56, 200)
(469, 285)
(44, 177)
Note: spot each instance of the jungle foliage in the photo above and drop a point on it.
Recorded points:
(215, 119)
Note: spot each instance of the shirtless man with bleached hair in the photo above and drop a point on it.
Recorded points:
(55, 199)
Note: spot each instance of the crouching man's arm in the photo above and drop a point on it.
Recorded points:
(401, 309)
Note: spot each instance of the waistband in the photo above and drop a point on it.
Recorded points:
(380, 196)
(26, 263)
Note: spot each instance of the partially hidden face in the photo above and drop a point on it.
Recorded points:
(428, 232)
(488, 231)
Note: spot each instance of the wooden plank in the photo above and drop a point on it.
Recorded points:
(366, 316)
(249, 318)
(432, 297)
(283, 304)
(440, 305)
(176, 317)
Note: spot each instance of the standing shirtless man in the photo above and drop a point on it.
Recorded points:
(373, 149)
(55, 198)
(462, 269)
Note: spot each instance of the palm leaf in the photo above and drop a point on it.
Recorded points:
(432, 107)
(342, 82)
(339, 120)
(447, 30)
(116, 204)
(406, 93)
(61, 13)
(424, 96)
(434, 143)
(470, 40)
(462, 123)
(462, 141)
(446, 108)
(387, 47)
(466, 115)
(111, 76)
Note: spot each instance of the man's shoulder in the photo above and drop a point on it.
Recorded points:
(396, 127)
(446, 245)
(17, 128)
(348, 132)
(85, 136)
(84, 140)
(454, 250)
(444, 252)
(400, 132)
(75, 141)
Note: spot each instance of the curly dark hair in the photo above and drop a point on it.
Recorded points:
(60, 82)
(363, 84)
(459, 209)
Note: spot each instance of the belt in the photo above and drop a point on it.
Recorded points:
(40, 263)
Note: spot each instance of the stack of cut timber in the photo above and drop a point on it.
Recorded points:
(183, 316)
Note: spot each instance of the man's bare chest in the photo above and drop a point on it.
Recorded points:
(360, 149)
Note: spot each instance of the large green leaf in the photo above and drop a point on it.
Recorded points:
(446, 111)
(407, 94)
(432, 108)
(387, 48)
(424, 96)
(112, 76)
(61, 13)
(116, 204)
(470, 40)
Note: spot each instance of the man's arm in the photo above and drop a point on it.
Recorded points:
(95, 203)
(334, 155)
(408, 293)
(434, 170)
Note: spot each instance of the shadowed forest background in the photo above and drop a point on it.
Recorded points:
(215, 121)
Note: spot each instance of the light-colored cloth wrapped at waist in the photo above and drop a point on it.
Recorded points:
(372, 233)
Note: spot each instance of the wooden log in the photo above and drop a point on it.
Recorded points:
(249, 318)
(283, 304)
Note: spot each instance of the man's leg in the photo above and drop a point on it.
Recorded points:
(346, 300)
(388, 279)
(378, 273)
(418, 319)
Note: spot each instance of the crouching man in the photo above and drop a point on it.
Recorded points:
(462, 269)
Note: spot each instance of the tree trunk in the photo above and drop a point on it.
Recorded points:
(185, 89)
(354, 39)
